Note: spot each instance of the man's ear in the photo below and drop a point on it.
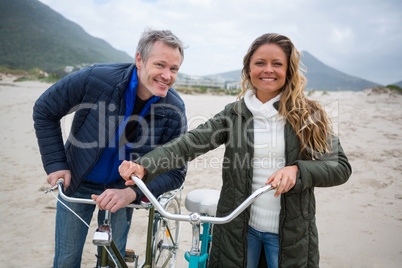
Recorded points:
(138, 61)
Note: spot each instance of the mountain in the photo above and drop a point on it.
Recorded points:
(322, 77)
(34, 35)
(319, 76)
(227, 76)
(399, 84)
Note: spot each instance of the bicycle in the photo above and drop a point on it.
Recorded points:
(162, 233)
(202, 208)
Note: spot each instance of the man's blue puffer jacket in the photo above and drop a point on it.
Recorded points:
(96, 95)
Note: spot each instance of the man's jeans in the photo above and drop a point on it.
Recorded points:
(255, 241)
(71, 232)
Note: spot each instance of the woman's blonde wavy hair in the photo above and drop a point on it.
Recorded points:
(311, 123)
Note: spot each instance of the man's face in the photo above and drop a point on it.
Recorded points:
(159, 73)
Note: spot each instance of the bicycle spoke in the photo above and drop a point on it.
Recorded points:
(169, 234)
(166, 236)
(167, 260)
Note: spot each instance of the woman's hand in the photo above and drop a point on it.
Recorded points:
(285, 178)
(128, 168)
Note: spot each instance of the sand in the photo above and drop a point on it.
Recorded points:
(359, 223)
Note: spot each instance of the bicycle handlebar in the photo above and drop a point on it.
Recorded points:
(196, 217)
(192, 218)
(60, 185)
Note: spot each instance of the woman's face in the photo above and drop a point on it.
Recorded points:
(268, 67)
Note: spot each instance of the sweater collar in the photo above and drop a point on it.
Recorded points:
(257, 108)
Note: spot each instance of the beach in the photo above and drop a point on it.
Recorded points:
(359, 222)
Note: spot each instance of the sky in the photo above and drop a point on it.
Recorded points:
(362, 38)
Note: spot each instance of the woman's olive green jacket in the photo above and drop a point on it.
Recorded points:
(298, 237)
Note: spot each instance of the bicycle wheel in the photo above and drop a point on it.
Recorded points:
(166, 237)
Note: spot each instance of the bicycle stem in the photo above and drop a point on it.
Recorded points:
(195, 222)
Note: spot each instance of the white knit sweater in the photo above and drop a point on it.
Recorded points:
(269, 156)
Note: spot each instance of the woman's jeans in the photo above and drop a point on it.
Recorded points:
(255, 241)
(71, 232)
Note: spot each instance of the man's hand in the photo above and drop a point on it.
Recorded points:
(114, 199)
(128, 168)
(52, 178)
(285, 178)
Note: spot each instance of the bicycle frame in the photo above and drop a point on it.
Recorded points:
(195, 256)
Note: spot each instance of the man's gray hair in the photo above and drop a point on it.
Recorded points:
(149, 37)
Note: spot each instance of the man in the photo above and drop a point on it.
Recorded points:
(122, 111)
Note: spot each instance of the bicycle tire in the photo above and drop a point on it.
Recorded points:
(166, 237)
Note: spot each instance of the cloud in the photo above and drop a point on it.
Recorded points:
(342, 36)
(351, 36)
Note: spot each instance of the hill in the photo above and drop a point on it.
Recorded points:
(35, 36)
(319, 75)
(399, 84)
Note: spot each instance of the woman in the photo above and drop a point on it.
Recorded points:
(273, 134)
